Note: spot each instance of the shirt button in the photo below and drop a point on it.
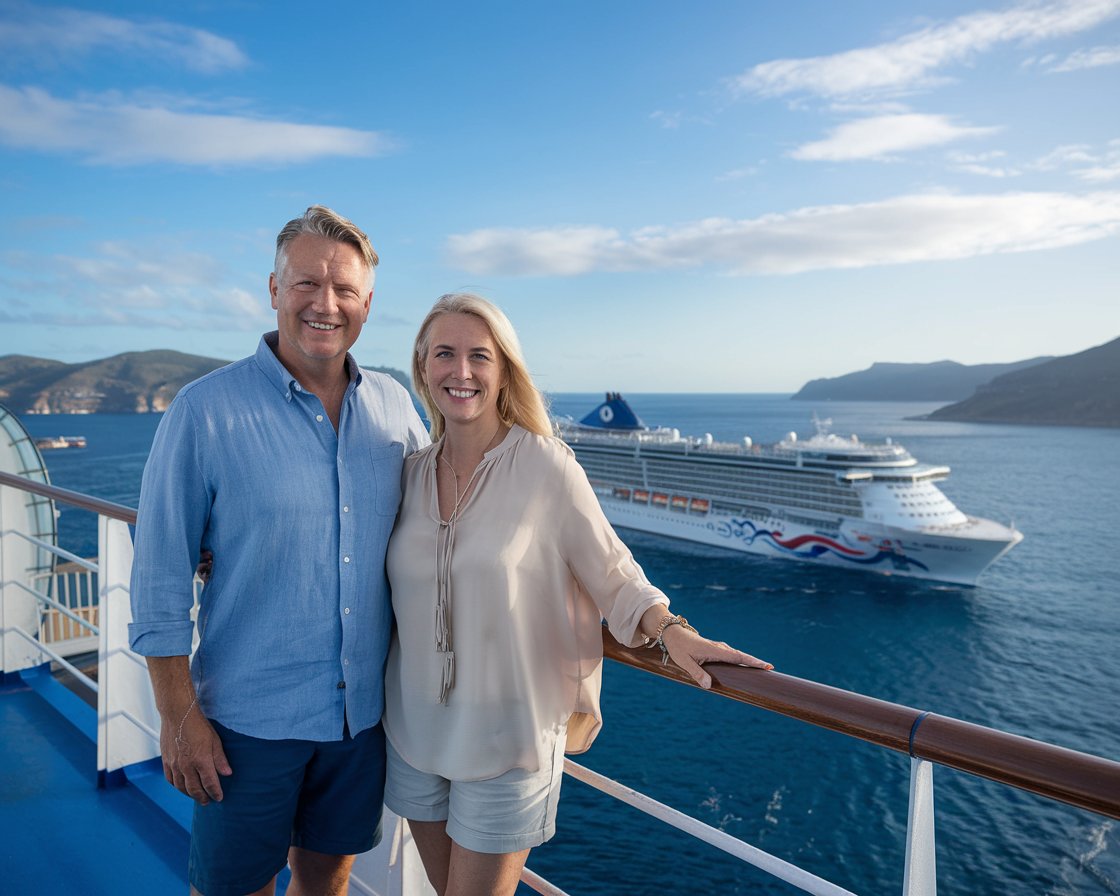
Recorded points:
(346, 508)
(319, 417)
(346, 662)
(299, 388)
(341, 685)
(345, 559)
(347, 611)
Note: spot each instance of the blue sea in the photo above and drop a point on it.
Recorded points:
(1034, 649)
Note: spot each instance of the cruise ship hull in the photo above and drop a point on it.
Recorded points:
(958, 557)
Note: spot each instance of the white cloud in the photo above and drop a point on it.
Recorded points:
(128, 284)
(884, 135)
(983, 164)
(668, 120)
(739, 173)
(1084, 162)
(1101, 167)
(564, 251)
(1064, 156)
(902, 230)
(1087, 163)
(60, 35)
(1094, 58)
(112, 130)
(914, 59)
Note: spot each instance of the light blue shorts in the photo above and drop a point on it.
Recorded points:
(509, 813)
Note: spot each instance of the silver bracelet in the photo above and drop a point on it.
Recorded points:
(181, 744)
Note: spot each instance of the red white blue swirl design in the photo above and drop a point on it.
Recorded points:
(817, 547)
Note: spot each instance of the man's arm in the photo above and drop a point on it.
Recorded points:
(174, 508)
(193, 757)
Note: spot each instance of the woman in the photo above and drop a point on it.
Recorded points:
(502, 566)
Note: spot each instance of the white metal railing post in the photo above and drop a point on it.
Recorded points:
(920, 877)
(125, 692)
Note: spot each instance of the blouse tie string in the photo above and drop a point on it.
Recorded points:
(445, 549)
(446, 544)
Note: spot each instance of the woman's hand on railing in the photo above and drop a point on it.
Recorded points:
(690, 650)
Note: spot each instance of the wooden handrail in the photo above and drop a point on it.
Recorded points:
(1080, 779)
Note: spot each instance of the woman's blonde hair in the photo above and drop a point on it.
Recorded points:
(519, 400)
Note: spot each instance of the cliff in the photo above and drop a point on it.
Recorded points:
(938, 381)
(129, 383)
(1075, 390)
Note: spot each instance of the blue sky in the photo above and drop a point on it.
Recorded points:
(721, 196)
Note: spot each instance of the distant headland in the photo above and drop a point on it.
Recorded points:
(1075, 390)
(129, 383)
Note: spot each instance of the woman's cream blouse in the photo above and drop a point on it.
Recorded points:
(534, 567)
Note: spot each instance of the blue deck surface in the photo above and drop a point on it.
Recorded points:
(59, 832)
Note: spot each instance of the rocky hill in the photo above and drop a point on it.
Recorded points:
(938, 381)
(130, 383)
(1075, 390)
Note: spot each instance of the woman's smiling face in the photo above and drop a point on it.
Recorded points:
(464, 370)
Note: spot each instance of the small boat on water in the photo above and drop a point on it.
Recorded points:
(825, 499)
(51, 442)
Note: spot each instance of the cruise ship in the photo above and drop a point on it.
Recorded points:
(825, 499)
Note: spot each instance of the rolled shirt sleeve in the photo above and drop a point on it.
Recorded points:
(175, 500)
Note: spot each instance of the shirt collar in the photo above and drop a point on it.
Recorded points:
(277, 374)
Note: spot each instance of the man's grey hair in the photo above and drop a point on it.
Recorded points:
(319, 220)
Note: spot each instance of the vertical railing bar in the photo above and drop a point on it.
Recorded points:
(920, 874)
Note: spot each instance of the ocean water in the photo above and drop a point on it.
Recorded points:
(1034, 649)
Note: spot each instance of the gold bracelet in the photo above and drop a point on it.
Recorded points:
(651, 640)
(664, 627)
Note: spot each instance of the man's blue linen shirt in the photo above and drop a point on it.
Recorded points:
(296, 618)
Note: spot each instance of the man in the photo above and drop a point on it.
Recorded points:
(286, 466)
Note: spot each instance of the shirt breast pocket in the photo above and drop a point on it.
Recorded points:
(387, 461)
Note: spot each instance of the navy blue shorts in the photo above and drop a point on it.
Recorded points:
(325, 797)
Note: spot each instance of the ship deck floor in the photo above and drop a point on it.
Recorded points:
(60, 832)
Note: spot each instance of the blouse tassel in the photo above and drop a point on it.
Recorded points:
(443, 611)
